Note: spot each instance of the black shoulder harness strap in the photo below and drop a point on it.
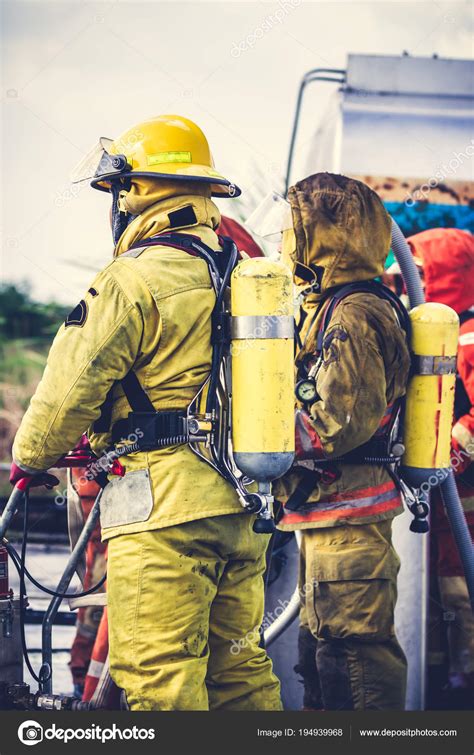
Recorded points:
(217, 261)
(330, 303)
(193, 245)
(135, 394)
(369, 287)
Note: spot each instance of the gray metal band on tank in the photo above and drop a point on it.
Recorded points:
(262, 326)
(431, 365)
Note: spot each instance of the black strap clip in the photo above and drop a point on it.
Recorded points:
(220, 328)
(146, 431)
(308, 480)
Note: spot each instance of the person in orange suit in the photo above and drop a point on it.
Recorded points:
(447, 259)
(88, 618)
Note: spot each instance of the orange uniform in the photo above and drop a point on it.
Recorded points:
(88, 618)
(447, 255)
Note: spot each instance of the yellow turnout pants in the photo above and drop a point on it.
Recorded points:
(185, 604)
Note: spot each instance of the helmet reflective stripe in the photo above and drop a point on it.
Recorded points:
(169, 157)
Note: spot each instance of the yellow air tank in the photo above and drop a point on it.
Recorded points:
(430, 394)
(262, 359)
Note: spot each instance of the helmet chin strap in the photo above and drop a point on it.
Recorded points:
(120, 219)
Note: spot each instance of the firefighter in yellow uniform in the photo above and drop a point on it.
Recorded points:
(185, 569)
(349, 654)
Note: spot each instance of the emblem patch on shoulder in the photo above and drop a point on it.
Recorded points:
(78, 316)
(331, 348)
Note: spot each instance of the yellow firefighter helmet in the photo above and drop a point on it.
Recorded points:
(168, 147)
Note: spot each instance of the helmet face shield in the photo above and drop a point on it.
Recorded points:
(271, 218)
(97, 162)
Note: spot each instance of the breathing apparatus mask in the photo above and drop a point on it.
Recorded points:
(104, 171)
(272, 220)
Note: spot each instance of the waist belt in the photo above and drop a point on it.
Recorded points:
(145, 431)
(376, 451)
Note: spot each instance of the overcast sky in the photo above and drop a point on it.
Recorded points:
(75, 70)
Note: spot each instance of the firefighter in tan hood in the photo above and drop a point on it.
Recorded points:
(184, 577)
(356, 351)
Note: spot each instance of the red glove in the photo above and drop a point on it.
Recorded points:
(83, 448)
(23, 480)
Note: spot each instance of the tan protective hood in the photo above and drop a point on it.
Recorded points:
(160, 216)
(342, 231)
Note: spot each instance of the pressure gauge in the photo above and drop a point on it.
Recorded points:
(306, 391)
